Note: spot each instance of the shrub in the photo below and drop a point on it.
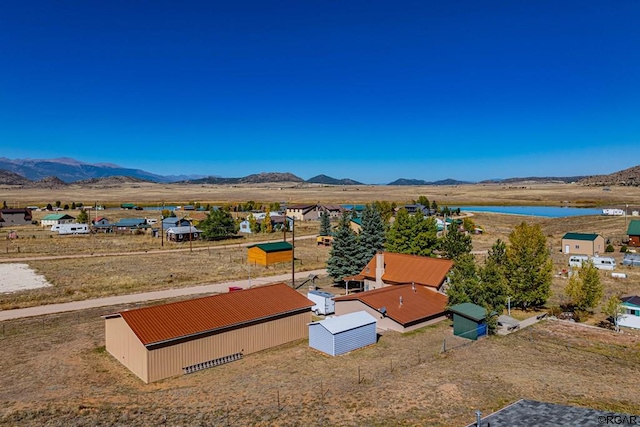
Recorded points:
(609, 248)
(623, 249)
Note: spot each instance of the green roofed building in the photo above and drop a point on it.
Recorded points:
(469, 320)
(634, 232)
(582, 244)
(55, 219)
(269, 253)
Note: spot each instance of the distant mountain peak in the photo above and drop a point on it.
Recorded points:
(327, 180)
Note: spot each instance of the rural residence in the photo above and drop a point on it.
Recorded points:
(633, 231)
(630, 316)
(18, 216)
(183, 234)
(56, 219)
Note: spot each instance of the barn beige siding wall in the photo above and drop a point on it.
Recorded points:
(584, 247)
(122, 343)
(169, 361)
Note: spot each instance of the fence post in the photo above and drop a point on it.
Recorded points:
(444, 345)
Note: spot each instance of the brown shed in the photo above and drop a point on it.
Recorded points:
(269, 253)
(186, 336)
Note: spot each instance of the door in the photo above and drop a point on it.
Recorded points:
(566, 249)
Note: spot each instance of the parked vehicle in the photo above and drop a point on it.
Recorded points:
(577, 260)
(631, 259)
(324, 303)
(70, 228)
(604, 262)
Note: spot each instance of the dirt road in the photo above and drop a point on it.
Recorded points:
(149, 296)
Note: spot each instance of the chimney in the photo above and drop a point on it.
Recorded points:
(379, 269)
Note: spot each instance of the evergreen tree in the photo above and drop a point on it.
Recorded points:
(73, 205)
(493, 277)
(422, 200)
(83, 217)
(434, 207)
(529, 266)
(343, 256)
(585, 288)
(399, 235)
(4, 204)
(325, 224)
(424, 232)
(455, 243)
(463, 281)
(372, 235)
(218, 224)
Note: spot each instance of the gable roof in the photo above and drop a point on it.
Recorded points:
(184, 229)
(580, 236)
(418, 303)
(56, 217)
(469, 310)
(633, 300)
(403, 268)
(346, 322)
(207, 315)
(131, 222)
(634, 227)
(273, 247)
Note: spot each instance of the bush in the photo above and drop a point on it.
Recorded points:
(623, 249)
(609, 248)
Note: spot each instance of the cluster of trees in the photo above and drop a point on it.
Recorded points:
(219, 224)
(520, 270)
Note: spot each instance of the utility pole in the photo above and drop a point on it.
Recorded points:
(293, 253)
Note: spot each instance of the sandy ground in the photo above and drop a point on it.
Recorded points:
(19, 277)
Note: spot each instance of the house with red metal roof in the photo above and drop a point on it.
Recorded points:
(400, 308)
(388, 269)
(187, 336)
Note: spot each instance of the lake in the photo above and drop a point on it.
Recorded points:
(544, 211)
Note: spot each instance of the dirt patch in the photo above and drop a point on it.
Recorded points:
(19, 277)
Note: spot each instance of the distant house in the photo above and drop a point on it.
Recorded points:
(400, 308)
(389, 269)
(174, 221)
(417, 208)
(182, 337)
(18, 216)
(132, 225)
(469, 320)
(309, 212)
(633, 231)
(356, 225)
(55, 219)
(582, 244)
(100, 221)
(341, 334)
(277, 223)
(630, 317)
(334, 211)
(269, 253)
(183, 234)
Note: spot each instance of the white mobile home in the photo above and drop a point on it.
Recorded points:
(71, 228)
(604, 262)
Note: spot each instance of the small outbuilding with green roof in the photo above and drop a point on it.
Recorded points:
(634, 232)
(269, 253)
(582, 244)
(469, 320)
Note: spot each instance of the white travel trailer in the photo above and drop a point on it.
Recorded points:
(71, 228)
(613, 212)
(577, 260)
(604, 262)
(324, 303)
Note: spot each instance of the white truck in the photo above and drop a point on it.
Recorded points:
(70, 228)
(324, 303)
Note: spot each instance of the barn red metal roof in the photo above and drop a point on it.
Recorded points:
(403, 268)
(418, 302)
(161, 323)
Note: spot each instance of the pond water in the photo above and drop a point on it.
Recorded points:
(544, 211)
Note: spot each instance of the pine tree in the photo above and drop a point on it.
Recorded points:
(424, 231)
(372, 235)
(218, 224)
(399, 235)
(343, 256)
(529, 266)
(455, 243)
(493, 277)
(325, 224)
(463, 282)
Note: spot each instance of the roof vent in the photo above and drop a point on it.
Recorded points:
(401, 300)
(383, 311)
(413, 286)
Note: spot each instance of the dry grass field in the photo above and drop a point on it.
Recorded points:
(57, 373)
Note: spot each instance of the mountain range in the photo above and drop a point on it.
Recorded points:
(58, 172)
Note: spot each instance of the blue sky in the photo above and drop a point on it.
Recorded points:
(369, 90)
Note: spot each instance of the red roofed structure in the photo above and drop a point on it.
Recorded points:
(182, 337)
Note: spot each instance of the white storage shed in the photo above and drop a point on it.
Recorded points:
(341, 334)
